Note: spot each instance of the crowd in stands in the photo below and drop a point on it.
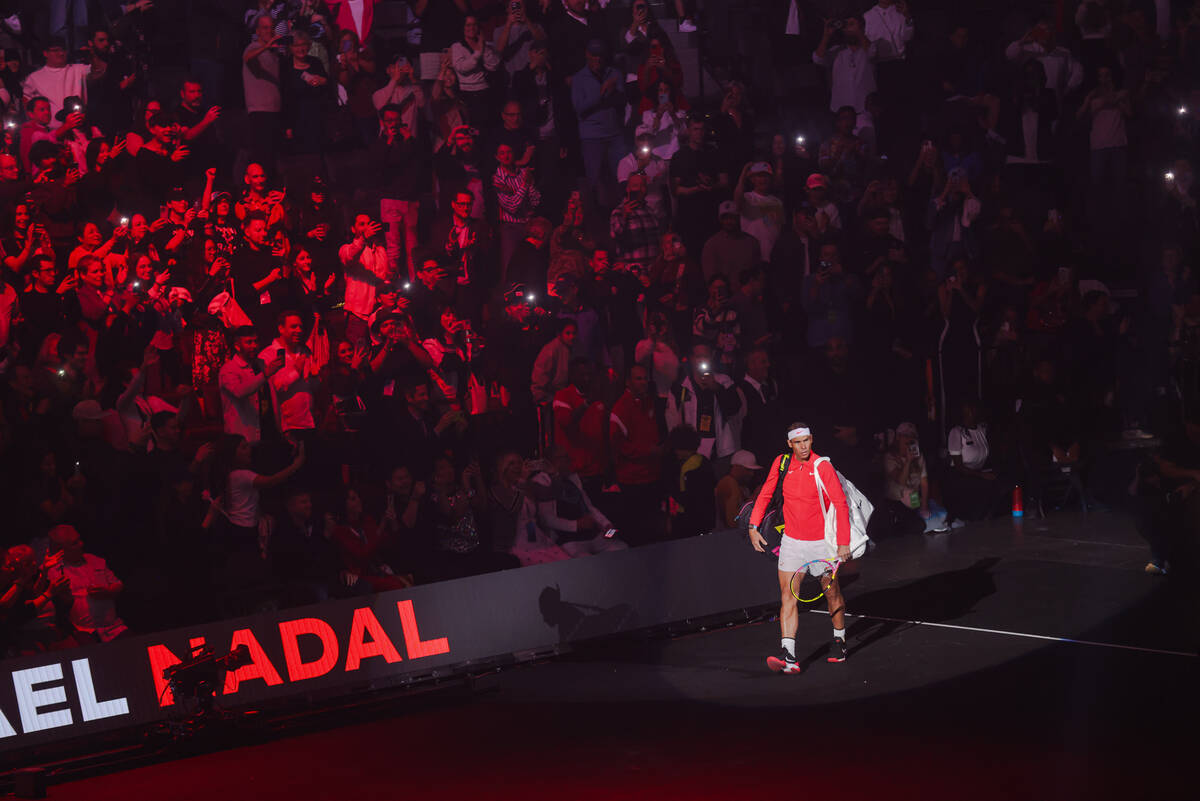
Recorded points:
(306, 299)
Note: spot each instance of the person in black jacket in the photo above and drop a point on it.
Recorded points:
(395, 158)
(547, 114)
(764, 412)
(303, 557)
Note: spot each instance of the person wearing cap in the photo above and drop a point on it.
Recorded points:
(733, 490)
(761, 211)
(825, 211)
(730, 250)
(180, 226)
(906, 483)
(318, 225)
(161, 163)
(950, 220)
(599, 106)
(57, 80)
(77, 134)
(804, 538)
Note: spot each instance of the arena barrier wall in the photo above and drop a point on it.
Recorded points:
(350, 646)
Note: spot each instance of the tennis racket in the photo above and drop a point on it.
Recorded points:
(807, 588)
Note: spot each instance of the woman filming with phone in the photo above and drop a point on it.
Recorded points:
(906, 507)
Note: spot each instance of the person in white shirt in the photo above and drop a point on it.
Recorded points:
(93, 585)
(473, 57)
(664, 122)
(58, 80)
(889, 24)
(293, 386)
(241, 378)
(970, 488)
(367, 268)
(761, 211)
(852, 64)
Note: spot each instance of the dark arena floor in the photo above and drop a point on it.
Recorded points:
(1046, 665)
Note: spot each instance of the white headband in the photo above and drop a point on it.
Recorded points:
(798, 432)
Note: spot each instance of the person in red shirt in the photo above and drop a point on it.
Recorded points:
(804, 539)
(637, 450)
(580, 422)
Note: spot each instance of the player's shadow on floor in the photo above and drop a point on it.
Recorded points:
(932, 599)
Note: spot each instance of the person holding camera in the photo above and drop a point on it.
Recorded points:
(402, 91)
(906, 484)
(950, 219)
(851, 62)
(513, 38)
(367, 270)
(395, 155)
(829, 295)
(633, 227)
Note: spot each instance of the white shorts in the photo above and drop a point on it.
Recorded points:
(794, 553)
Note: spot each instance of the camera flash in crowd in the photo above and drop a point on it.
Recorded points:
(645, 151)
(10, 124)
(799, 140)
(61, 373)
(1182, 110)
(1169, 176)
(124, 221)
(137, 284)
(407, 286)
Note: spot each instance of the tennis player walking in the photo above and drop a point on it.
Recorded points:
(804, 539)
